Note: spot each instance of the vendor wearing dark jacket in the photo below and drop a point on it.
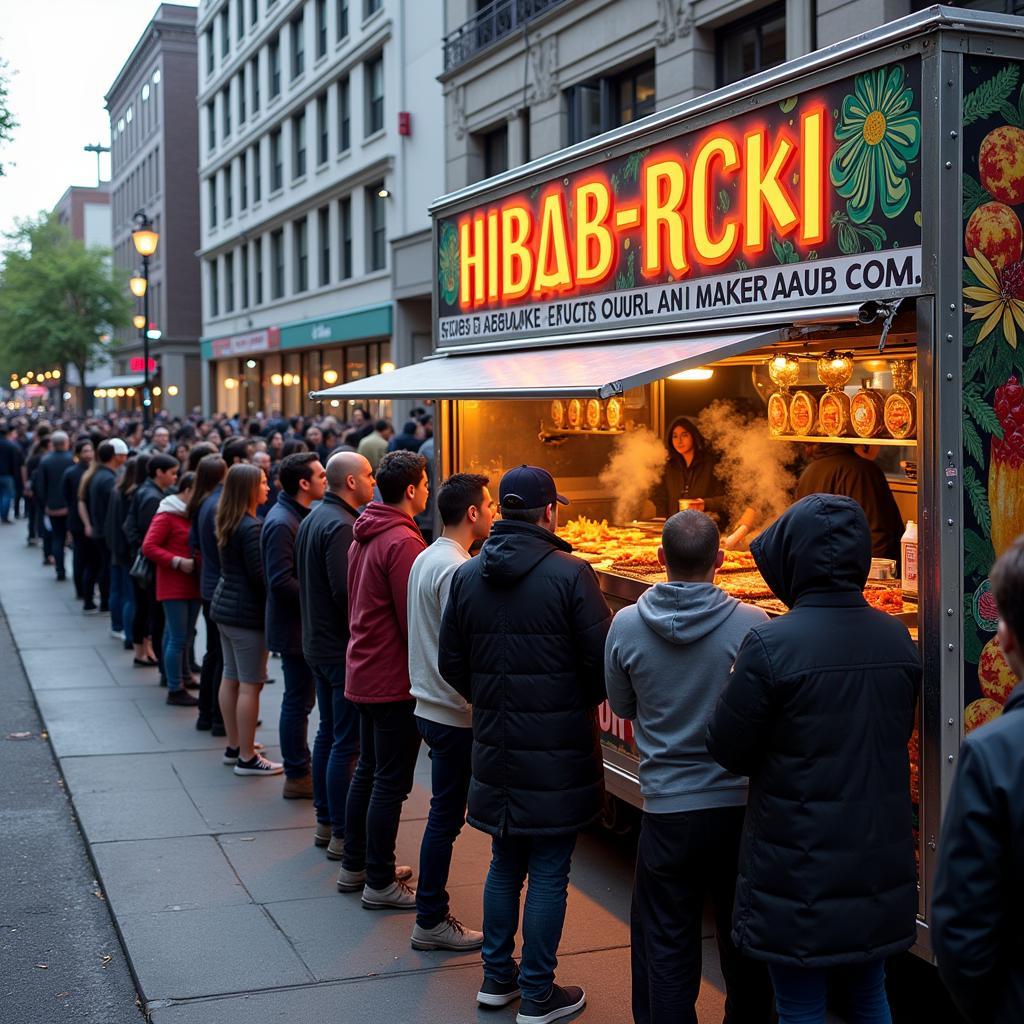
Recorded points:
(690, 472)
(522, 639)
(818, 713)
(978, 886)
(302, 482)
(838, 469)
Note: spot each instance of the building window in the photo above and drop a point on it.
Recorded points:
(229, 282)
(277, 263)
(257, 269)
(211, 128)
(208, 45)
(374, 88)
(750, 45)
(301, 243)
(254, 11)
(274, 55)
(321, 129)
(214, 288)
(254, 72)
(344, 116)
(225, 111)
(298, 30)
(243, 258)
(604, 103)
(257, 175)
(341, 11)
(240, 79)
(225, 32)
(371, 7)
(299, 145)
(321, 28)
(239, 18)
(243, 180)
(276, 165)
(495, 150)
(211, 199)
(228, 198)
(323, 217)
(376, 228)
(345, 238)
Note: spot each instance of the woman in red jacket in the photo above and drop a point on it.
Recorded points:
(177, 586)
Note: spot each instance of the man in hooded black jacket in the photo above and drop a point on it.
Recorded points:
(818, 713)
(975, 935)
(522, 639)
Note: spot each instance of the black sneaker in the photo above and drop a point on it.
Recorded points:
(561, 1002)
(89, 609)
(499, 993)
(181, 699)
(204, 724)
(217, 729)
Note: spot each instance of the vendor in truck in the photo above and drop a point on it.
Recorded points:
(839, 469)
(690, 472)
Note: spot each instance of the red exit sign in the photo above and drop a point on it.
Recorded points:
(136, 363)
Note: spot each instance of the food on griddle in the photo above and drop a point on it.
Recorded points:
(885, 600)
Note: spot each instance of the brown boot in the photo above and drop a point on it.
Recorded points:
(298, 789)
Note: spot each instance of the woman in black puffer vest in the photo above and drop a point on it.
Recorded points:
(238, 608)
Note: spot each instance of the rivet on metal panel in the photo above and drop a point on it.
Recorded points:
(950, 721)
(949, 164)
(949, 337)
(949, 376)
(949, 82)
(953, 134)
(950, 647)
(949, 483)
(949, 611)
(949, 522)
(949, 454)
(950, 759)
(931, 843)
(952, 306)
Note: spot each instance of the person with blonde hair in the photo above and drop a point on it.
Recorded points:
(238, 608)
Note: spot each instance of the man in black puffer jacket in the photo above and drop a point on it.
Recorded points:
(522, 639)
(818, 713)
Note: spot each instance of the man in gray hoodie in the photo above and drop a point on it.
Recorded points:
(667, 660)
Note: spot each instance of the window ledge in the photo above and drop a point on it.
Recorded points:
(376, 14)
(376, 136)
(300, 180)
(344, 154)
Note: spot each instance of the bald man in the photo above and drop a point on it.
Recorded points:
(321, 561)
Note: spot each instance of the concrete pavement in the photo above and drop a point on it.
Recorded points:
(227, 911)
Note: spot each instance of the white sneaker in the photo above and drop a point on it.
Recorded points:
(449, 934)
(259, 765)
(397, 896)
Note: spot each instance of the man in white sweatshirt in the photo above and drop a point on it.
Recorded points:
(443, 717)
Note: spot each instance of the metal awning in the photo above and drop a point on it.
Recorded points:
(591, 371)
(125, 380)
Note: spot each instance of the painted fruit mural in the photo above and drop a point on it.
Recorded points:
(993, 353)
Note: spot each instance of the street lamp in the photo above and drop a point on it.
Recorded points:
(137, 284)
(145, 240)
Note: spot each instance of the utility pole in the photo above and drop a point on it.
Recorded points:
(97, 148)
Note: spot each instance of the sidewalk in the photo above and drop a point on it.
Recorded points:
(227, 911)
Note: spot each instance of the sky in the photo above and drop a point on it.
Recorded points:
(63, 56)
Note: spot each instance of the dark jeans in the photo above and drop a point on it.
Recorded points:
(120, 587)
(388, 745)
(30, 516)
(103, 570)
(60, 536)
(681, 859)
(451, 751)
(6, 497)
(91, 566)
(211, 672)
(297, 701)
(179, 620)
(800, 993)
(141, 619)
(335, 748)
(545, 860)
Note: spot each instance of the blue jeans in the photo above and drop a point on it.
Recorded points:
(451, 751)
(546, 861)
(60, 536)
(335, 748)
(296, 703)
(127, 603)
(6, 497)
(179, 621)
(119, 583)
(800, 993)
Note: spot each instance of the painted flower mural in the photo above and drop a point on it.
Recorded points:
(1000, 294)
(878, 135)
(448, 263)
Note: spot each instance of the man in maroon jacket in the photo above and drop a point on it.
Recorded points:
(385, 543)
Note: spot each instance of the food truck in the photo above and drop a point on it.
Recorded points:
(828, 253)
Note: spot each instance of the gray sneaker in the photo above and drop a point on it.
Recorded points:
(335, 848)
(353, 881)
(322, 836)
(397, 896)
(449, 934)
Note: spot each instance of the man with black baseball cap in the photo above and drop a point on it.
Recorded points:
(522, 639)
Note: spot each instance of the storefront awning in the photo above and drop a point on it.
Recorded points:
(591, 371)
(125, 380)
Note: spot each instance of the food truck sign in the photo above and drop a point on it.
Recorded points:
(814, 199)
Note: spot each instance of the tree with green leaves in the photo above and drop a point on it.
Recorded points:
(7, 122)
(58, 299)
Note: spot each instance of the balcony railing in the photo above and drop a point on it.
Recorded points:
(491, 23)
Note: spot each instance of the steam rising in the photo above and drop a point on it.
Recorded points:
(750, 464)
(637, 463)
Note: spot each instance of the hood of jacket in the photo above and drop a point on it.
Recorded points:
(683, 613)
(173, 504)
(378, 518)
(513, 550)
(1016, 698)
(822, 544)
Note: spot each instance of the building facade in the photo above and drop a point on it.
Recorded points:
(153, 132)
(523, 78)
(320, 134)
